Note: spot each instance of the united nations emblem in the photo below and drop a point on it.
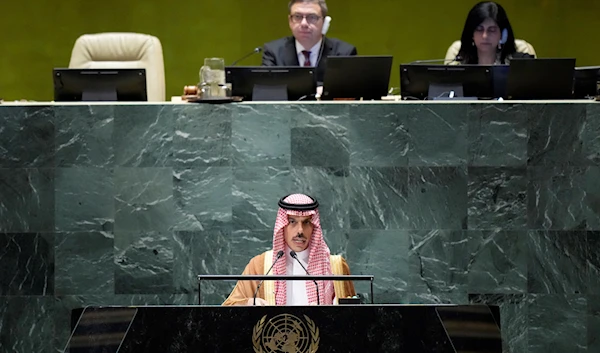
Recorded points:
(285, 333)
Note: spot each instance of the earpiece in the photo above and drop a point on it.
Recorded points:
(326, 24)
(504, 37)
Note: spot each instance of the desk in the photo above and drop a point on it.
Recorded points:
(444, 202)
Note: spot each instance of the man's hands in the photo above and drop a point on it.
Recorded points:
(259, 302)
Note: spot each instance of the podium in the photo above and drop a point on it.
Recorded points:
(298, 329)
(260, 278)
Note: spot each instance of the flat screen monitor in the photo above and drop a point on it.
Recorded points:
(271, 83)
(356, 77)
(419, 81)
(124, 85)
(587, 82)
(548, 78)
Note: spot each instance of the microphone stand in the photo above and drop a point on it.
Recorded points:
(279, 255)
(457, 58)
(293, 254)
(254, 51)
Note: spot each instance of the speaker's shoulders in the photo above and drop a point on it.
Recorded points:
(279, 42)
(519, 55)
(339, 44)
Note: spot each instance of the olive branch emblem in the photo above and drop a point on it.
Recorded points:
(314, 334)
(256, 333)
(258, 329)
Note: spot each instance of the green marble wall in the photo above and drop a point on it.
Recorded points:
(443, 203)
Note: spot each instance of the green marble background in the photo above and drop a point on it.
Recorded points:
(443, 203)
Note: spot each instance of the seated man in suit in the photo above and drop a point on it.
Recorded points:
(308, 46)
(297, 238)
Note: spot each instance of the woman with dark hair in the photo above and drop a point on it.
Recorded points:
(488, 38)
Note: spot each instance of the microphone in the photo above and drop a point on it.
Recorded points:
(279, 255)
(457, 58)
(326, 24)
(254, 51)
(293, 254)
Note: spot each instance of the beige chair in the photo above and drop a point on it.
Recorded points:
(123, 50)
(522, 47)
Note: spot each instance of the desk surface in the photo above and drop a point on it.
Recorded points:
(570, 101)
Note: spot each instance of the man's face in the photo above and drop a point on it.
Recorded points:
(306, 22)
(298, 232)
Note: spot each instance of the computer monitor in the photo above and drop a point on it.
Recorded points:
(418, 81)
(587, 82)
(271, 83)
(356, 77)
(127, 85)
(550, 78)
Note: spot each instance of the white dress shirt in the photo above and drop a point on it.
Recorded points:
(296, 290)
(314, 54)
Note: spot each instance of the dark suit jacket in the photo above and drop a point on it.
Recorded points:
(519, 55)
(282, 52)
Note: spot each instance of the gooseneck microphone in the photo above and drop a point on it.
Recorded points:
(457, 58)
(254, 51)
(293, 254)
(279, 255)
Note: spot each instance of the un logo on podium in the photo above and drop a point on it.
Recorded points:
(285, 333)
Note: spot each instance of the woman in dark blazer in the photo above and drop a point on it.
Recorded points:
(488, 37)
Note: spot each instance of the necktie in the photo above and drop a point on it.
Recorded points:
(307, 58)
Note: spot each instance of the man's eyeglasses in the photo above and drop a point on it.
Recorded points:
(312, 19)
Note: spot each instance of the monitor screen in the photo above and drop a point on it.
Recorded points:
(271, 83)
(587, 82)
(357, 77)
(418, 81)
(126, 85)
(547, 78)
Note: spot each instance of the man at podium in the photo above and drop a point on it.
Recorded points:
(298, 249)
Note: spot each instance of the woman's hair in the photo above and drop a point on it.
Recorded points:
(478, 14)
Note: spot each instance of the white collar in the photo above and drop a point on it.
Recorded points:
(296, 290)
(313, 51)
(302, 255)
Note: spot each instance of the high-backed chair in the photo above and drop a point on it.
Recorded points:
(521, 45)
(123, 50)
